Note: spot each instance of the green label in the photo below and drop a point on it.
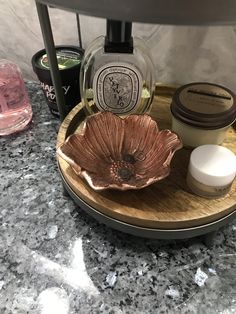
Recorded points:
(65, 59)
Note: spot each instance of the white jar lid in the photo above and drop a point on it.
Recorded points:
(213, 165)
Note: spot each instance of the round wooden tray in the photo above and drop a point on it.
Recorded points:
(167, 204)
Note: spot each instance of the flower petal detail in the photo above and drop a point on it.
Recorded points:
(159, 157)
(104, 133)
(140, 134)
(78, 153)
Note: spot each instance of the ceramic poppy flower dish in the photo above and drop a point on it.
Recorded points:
(115, 153)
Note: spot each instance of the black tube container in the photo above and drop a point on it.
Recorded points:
(69, 78)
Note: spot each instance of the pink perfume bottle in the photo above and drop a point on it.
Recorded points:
(15, 109)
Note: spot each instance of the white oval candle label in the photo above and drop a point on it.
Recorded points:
(117, 87)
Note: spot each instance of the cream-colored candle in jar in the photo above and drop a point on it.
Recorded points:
(211, 171)
(202, 113)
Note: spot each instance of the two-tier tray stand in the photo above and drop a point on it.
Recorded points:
(167, 209)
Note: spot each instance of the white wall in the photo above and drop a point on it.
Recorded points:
(181, 54)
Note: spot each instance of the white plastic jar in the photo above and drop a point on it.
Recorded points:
(202, 113)
(211, 171)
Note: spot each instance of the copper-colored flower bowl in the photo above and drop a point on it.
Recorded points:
(116, 153)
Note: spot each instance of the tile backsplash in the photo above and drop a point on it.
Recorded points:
(181, 54)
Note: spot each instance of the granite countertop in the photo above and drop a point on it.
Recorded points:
(54, 258)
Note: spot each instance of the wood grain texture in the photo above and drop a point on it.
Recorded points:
(167, 204)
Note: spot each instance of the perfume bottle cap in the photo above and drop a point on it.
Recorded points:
(118, 31)
(118, 37)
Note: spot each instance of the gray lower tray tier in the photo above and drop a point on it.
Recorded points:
(147, 232)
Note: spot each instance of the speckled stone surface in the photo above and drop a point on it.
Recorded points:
(54, 258)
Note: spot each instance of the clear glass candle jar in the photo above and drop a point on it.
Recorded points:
(202, 113)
